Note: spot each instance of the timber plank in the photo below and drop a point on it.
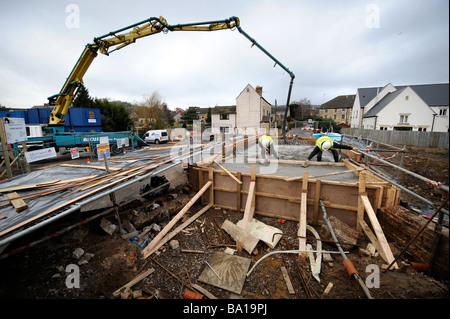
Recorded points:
(378, 231)
(174, 220)
(133, 282)
(372, 238)
(302, 227)
(74, 200)
(17, 201)
(91, 166)
(180, 228)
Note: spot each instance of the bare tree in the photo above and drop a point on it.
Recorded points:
(154, 111)
(300, 110)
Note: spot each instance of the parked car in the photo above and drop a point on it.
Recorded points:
(156, 136)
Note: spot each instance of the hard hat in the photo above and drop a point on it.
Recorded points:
(326, 145)
(265, 143)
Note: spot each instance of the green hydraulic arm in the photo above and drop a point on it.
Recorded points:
(118, 39)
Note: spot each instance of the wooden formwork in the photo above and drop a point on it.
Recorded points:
(298, 199)
(276, 197)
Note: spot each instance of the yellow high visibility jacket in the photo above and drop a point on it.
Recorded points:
(323, 139)
(266, 137)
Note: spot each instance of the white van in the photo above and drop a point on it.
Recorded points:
(156, 136)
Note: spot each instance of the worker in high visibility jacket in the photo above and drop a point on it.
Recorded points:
(326, 143)
(266, 144)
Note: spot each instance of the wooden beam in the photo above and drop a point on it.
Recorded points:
(373, 239)
(361, 191)
(17, 201)
(248, 214)
(53, 209)
(172, 223)
(254, 160)
(316, 203)
(302, 227)
(91, 166)
(211, 189)
(248, 205)
(174, 232)
(46, 184)
(204, 291)
(238, 193)
(299, 178)
(229, 173)
(133, 282)
(378, 230)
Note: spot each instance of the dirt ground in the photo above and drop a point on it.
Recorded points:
(432, 163)
(109, 261)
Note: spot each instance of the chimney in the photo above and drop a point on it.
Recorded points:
(259, 89)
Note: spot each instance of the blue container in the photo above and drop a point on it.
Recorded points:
(18, 114)
(33, 117)
(84, 117)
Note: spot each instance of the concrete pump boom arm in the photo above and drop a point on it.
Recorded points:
(118, 39)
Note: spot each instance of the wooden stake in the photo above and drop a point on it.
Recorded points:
(238, 193)
(211, 190)
(302, 227)
(361, 191)
(4, 144)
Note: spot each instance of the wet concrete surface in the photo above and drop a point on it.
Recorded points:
(288, 152)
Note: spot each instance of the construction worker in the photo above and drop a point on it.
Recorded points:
(326, 143)
(266, 144)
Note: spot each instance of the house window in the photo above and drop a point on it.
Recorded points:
(406, 97)
(422, 129)
(224, 129)
(383, 128)
(403, 118)
(224, 116)
(342, 117)
(334, 117)
(443, 112)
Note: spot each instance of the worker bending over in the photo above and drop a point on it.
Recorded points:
(266, 144)
(325, 143)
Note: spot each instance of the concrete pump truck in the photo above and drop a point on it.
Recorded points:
(54, 135)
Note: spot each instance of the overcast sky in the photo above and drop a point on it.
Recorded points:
(332, 47)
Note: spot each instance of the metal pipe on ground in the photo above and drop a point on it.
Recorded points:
(347, 262)
(400, 186)
(442, 187)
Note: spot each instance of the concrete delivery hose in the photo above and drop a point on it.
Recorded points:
(352, 272)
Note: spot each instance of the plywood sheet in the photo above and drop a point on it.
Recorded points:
(231, 269)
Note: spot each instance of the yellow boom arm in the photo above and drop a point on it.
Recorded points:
(118, 39)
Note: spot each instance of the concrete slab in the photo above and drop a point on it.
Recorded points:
(290, 170)
(288, 152)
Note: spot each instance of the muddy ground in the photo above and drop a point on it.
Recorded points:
(109, 261)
